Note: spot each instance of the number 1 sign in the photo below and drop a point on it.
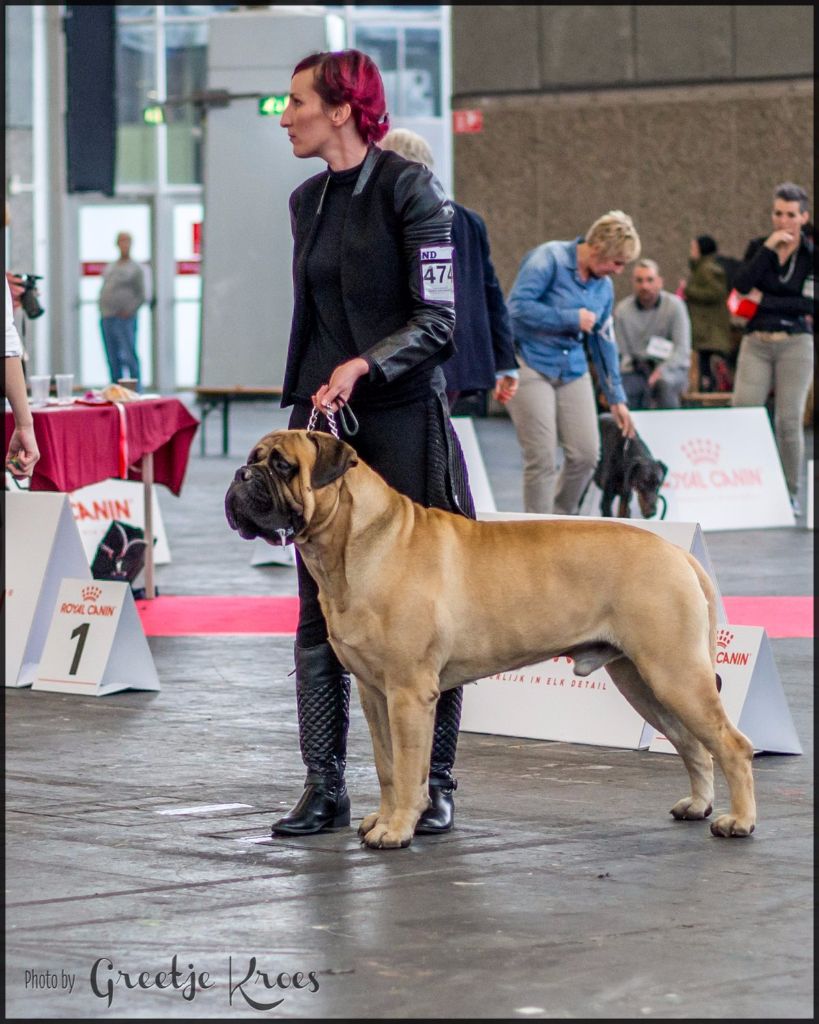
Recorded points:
(95, 643)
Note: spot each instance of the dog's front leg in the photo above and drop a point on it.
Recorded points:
(374, 704)
(411, 707)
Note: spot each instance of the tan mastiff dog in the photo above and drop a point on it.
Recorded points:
(413, 607)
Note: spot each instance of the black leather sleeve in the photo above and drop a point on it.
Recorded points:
(426, 218)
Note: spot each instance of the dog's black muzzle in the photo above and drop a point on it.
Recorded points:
(256, 506)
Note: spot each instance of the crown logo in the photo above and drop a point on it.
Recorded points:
(724, 638)
(701, 449)
(91, 593)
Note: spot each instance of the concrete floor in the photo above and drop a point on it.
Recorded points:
(566, 890)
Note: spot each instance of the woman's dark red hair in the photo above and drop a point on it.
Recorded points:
(350, 76)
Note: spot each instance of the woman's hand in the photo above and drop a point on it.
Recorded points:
(622, 417)
(23, 452)
(505, 388)
(336, 392)
(586, 320)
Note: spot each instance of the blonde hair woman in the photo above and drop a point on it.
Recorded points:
(562, 298)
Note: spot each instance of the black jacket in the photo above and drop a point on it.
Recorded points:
(483, 334)
(785, 303)
(397, 210)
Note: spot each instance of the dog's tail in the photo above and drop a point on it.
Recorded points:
(711, 597)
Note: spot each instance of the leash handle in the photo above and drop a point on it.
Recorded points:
(346, 416)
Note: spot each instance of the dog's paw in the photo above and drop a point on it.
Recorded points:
(374, 836)
(691, 808)
(368, 824)
(728, 825)
(383, 838)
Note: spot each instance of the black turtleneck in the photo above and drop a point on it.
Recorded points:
(331, 341)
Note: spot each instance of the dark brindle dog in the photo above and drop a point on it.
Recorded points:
(627, 466)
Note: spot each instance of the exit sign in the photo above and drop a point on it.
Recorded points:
(153, 115)
(464, 121)
(273, 106)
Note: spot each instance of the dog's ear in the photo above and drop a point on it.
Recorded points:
(333, 460)
(663, 468)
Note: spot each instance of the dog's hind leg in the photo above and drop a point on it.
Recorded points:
(698, 762)
(374, 704)
(687, 689)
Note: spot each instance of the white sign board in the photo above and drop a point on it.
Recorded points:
(97, 506)
(724, 470)
(95, 643)
(751, 692)
(546, 701)
(478, 478)
(42, 546)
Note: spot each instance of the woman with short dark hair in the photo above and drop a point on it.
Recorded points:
(776, 351)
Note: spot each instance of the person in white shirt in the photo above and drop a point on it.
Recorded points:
(653, 332)
(22, 452)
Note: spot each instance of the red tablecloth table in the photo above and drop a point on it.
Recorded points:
(148, 440)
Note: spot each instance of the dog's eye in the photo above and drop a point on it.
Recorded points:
(280, 465)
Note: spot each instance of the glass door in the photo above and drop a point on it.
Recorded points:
(99, 225)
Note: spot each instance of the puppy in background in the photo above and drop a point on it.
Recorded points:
(627, 466)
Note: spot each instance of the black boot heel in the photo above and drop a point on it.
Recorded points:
(320, 809)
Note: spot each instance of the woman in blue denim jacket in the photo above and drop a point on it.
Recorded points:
(562, 298)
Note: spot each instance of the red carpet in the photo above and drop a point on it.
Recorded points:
(192, 616)
(782, 617)
(203, 616)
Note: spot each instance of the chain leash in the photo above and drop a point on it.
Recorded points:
(349, 423)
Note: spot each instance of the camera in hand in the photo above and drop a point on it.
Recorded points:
(28, 300)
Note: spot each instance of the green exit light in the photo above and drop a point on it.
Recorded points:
(153, 115)
(273, 106)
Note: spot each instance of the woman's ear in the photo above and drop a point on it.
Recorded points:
(340, 115)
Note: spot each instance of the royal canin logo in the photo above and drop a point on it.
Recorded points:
(701, 449)
(724, 638)
(91, 593)
(725, 657)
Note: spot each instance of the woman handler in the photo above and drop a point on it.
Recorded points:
(372, 322)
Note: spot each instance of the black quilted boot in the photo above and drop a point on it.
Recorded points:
(440, 815)
(323, 701)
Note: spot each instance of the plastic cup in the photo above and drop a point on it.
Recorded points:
(127, 382)
(39, 390)
(65, 388)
